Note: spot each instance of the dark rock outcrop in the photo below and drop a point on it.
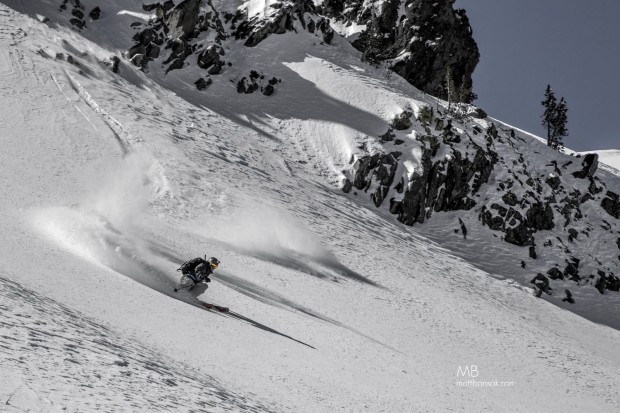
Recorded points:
(518, 229)
(569, 297)
(247, 86)
(601, 284)
(542, 283)
(256, 81)
(278, 20)
(611, 204)
(78, 23)
(540, 217)
(268, 90)
(533, 254)
(555, 274)
(211, 56)
(114, 63)
(379, 168)
(346, 187)
(426, 41)
(203, 83)
(590, 164)
(387, 136)
(572, 269)
(445, 185)
(95, 14)
(554, 182)
(175, 31)
(463, 228)
(607, 282)
(402, 121)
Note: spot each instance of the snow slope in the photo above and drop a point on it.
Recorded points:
(111, 181)
(611, 158)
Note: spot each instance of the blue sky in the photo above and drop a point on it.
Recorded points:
(574, 45)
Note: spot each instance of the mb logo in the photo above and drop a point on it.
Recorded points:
(469, 371)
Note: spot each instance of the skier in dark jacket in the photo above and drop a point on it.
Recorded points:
(199, 269)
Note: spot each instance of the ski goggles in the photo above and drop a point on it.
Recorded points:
(213, 266)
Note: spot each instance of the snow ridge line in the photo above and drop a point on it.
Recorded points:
(74, 105)
(122, 135)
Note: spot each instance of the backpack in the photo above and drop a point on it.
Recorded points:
(188, 267)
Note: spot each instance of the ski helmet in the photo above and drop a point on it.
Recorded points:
(214, 262)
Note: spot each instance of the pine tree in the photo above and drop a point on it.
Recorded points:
(550, 105)
(466, 95)
(559, 125)
(554, 119)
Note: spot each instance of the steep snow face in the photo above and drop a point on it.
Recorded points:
(111, 180)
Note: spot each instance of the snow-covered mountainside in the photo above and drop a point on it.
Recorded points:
(336, 198)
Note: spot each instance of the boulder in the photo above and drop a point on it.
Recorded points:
(387, 136)
(402, 121)
(554, 182)
(115, 62)
(202, 83)
(209, 57)
(346, 187)
(95, 14)
(540, 217)
(542, 283)
(268, 90)
(572, 234)
(611, 204)
(572, 269)
(589, 164)
(601, 284)
(79, 23)
(181, 22)
(569, 297)
(555, 273)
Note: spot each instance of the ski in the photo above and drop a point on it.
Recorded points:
(219, 308)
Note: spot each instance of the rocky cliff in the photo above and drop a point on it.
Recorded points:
(552, 204)
(423, 41)
(418, 39)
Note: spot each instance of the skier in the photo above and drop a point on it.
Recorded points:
(198, 270)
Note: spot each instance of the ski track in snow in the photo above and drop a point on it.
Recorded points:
(40, 337)
(124, 137)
